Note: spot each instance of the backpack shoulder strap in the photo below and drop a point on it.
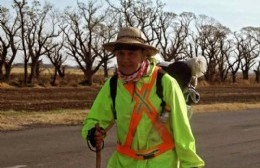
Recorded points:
(113, 89)
(159, 88)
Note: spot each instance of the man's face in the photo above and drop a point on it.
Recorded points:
(129, 60)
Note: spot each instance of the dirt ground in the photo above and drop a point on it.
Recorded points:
(42, 99)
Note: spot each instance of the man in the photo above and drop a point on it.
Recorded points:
(144, 139)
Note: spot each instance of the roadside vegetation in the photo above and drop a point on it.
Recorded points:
(20, 120)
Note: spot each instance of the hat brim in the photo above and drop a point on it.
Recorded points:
(150, 50)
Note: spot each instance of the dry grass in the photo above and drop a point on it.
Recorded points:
(13, 120)
(225, 107)
(49, 71)
(5, 85)
(20, 70)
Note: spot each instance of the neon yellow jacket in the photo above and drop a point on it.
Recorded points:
(182, 156)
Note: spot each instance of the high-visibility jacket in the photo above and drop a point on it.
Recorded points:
(136, 123)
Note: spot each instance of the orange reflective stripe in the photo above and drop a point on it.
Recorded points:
(130, 88)
(137, 113)
(144, 105)
(132, 127)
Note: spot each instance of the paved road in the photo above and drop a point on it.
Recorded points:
(224, 139)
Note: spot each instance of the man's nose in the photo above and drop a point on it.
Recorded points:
(126, 56)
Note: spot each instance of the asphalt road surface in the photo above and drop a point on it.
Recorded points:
(224, 140)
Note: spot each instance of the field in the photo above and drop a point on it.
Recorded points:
(45, 99)
(29, 107)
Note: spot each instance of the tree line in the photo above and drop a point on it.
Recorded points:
(33, 31)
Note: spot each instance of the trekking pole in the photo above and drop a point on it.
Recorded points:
(99, 148)
(98, 151)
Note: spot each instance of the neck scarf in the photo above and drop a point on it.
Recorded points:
(142, 70)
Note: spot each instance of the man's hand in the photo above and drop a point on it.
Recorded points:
(96, 137)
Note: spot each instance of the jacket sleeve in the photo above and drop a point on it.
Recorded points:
(100, 112)
(180, 126)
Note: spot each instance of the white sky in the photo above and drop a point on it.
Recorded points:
(234, 14)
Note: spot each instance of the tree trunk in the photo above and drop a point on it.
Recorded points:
(223, 76)
(105, 70)
(1, 73)
(25, 72)
(61, 71)
(88, 78)
(7, 72)
(3, 60)
(257, 75)
(245, 75)
(234, 78)
(33, 71)
(53, 81)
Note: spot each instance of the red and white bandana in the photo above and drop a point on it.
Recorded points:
(136, 75)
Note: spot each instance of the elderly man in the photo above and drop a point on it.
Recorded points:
(143, 139)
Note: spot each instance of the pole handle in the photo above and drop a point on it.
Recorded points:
(98, 150)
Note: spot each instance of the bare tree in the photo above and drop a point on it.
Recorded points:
(234, 62)
(142, 14)
(212, 39)
(10, 28)
(57, 59)
(40, 33)
(254, 34)
(249, 50)
(178, 41)
(38, 26)
(193, 46)
(80, 30)
(165, 21)
(225, 51)
(3, 54)
(105, 33)
(21, 9)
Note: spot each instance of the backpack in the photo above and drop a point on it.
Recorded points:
(178, 70)
(159, 91)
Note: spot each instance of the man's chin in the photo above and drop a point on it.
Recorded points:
(126, 72)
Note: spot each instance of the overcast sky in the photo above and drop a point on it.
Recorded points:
(234, 14)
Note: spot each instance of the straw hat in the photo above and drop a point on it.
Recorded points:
(133, 37)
